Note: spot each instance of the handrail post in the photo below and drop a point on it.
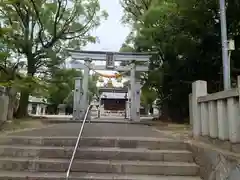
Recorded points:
(77, 143)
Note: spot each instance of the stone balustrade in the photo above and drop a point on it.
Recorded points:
(215, 115)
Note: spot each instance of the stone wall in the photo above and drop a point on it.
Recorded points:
(216, 164)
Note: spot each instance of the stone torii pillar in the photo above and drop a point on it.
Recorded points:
(135, 95)
(84, 101)
(137, 100)
(77, 97)
(132, 97)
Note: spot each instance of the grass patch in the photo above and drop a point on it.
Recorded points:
(18, 124)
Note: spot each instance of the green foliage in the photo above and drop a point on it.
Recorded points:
(92, 87)
(148, 96)
(126, 48)
(186, 34)
(61, 85)
(41, 30)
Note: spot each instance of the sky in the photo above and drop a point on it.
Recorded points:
(111, 33)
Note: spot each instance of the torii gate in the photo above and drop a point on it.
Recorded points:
(81, 86)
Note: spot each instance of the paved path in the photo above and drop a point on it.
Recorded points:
(94, 130)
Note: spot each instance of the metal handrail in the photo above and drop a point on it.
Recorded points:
(77, 143)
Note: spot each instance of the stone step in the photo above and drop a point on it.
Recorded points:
(9, 175)
(122, 142)
(100, 166)
(98, 153)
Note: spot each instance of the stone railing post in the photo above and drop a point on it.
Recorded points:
(234, 115)
(212, 118)
(204, 118)
(223, 130)
(4, 100)
(199, 88)
(190, 110)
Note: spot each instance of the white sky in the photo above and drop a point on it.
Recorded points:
(111, 32)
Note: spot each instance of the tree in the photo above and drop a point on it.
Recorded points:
(9, 74)
(60, 85)
(148, 97)
(186, 35)
(42, 29)
(9, 78)
(92, 87)
(14, 81)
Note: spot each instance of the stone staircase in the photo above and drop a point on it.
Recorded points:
(47, 158)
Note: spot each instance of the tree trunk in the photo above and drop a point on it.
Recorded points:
(23, 105)
(151, 109)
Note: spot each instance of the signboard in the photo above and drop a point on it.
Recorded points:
(110, 63)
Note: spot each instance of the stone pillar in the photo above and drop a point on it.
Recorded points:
(233, 119)
(199, 88)
(204, 118)
(126, 106)
(77, 98)
(190, 110)
(4, 100)
(126, 110)
(213, 121)
(137, 100)
(223, 132)
(129, 104)
(84, 101)
(133, 91)
(233, 116)
(99, 108)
